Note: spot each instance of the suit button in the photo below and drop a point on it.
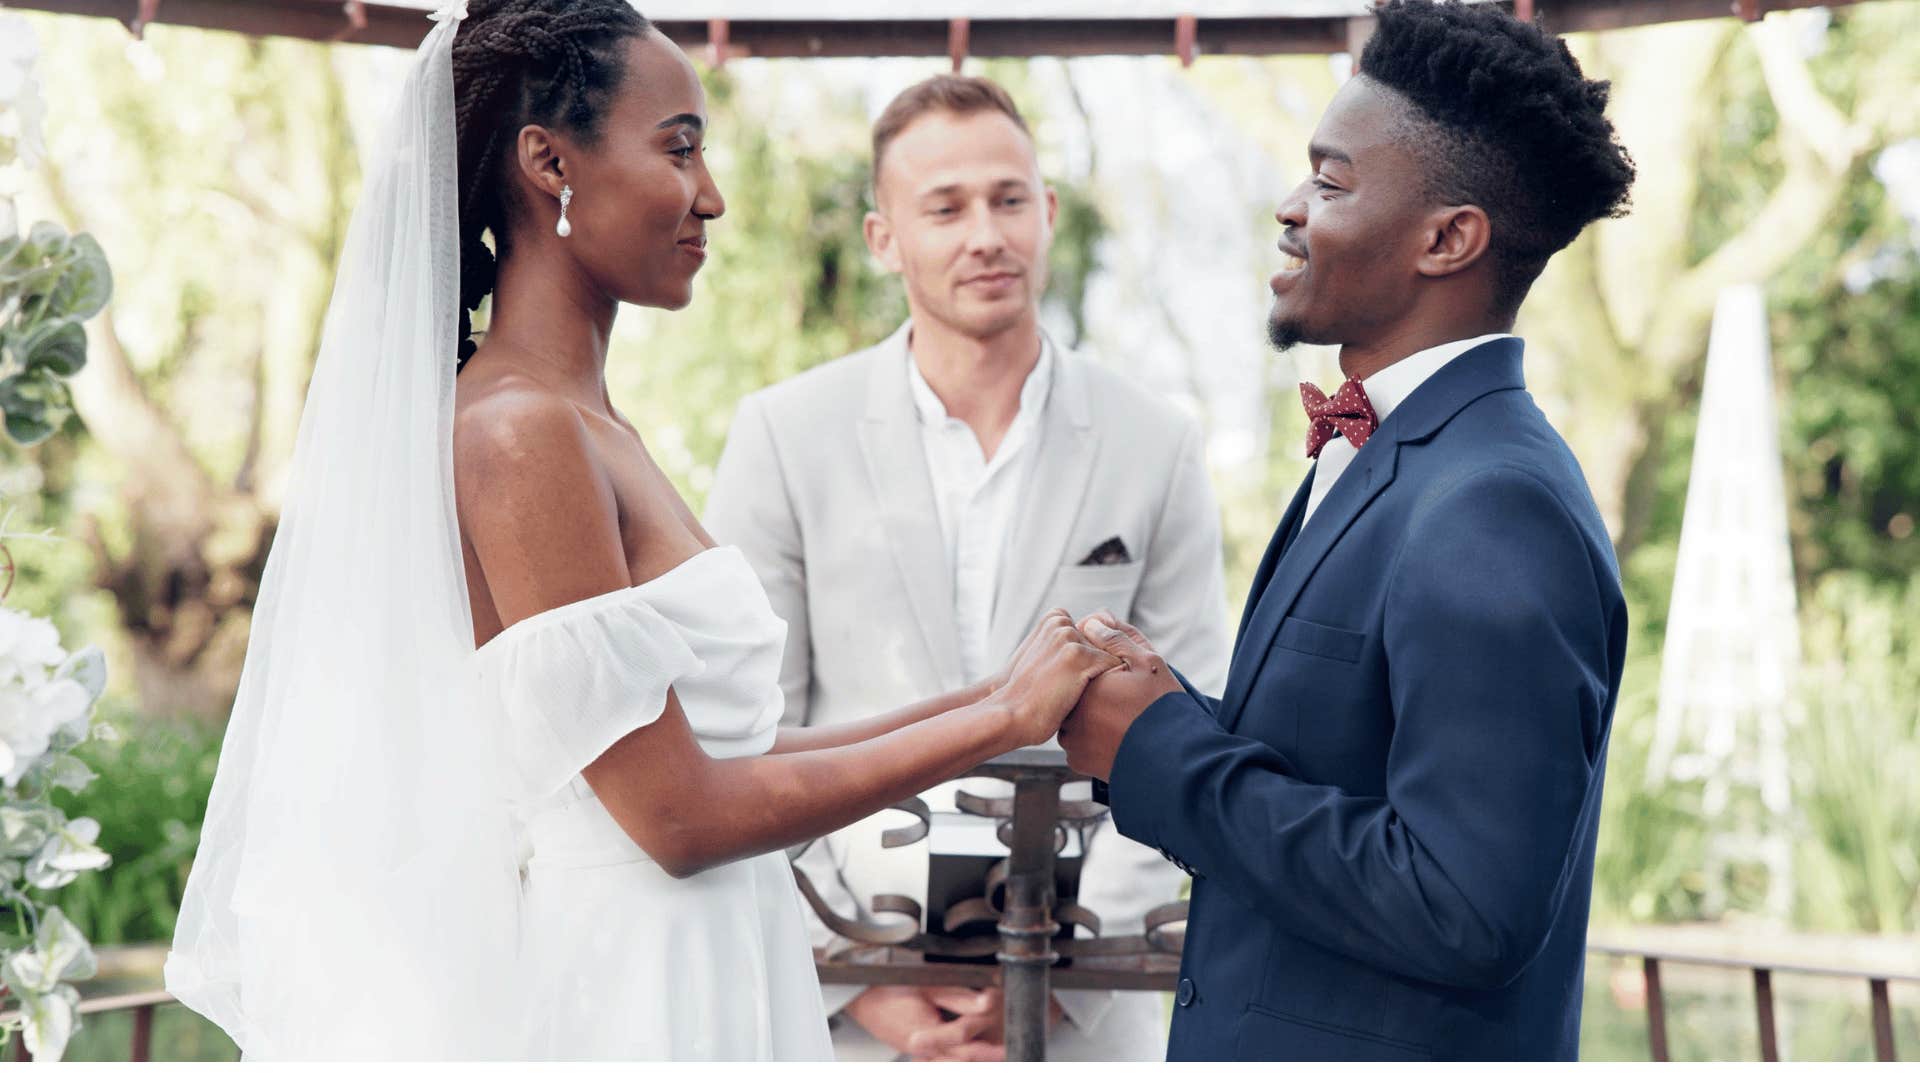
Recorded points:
(1186, 994)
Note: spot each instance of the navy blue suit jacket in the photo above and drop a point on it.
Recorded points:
(1390, 816)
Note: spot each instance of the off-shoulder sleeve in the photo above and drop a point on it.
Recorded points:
(568, 683)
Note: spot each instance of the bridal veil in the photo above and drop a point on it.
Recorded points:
(355, 893)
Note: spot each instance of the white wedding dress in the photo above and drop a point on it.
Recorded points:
(618, 959)
(400, 860)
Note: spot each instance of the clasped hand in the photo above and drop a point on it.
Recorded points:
(1087, 682)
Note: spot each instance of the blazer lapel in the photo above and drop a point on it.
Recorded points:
(896, 461)
(1276, 548)
(1056, 489)
(1483, 370)
(1366, 477)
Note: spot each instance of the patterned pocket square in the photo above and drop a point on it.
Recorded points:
(1111, 553)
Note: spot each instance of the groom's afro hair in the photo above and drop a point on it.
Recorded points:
(1503, 119)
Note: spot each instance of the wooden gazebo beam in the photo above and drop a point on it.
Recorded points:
(398, 25)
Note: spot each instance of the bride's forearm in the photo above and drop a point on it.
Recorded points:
(827, 736)
(793, 797)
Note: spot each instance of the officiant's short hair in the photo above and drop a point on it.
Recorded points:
(960, 95)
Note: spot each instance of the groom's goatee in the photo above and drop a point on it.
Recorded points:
(1284, 334)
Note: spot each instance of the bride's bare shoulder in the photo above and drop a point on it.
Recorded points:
(510, 431)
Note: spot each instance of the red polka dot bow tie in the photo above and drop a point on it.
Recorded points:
(1347, 412)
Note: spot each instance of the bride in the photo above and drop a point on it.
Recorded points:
(503, 776)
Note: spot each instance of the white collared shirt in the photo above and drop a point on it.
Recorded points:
(1386, 389)
(977, 500)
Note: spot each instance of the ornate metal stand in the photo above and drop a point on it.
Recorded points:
(1033, 826)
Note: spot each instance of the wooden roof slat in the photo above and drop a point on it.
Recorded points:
(403, 26)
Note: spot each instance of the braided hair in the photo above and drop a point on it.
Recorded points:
(517, 62)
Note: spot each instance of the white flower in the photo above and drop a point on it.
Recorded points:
(24, 827)
(28, 648)
(26, 730)
(19, 48)
(66, 705)
(47, 1022)
(32, 109)
(65, 854)
(58, 952)
(37, 975)
(19, 91)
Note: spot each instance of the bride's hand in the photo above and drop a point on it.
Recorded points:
(1047, 675)
(998, 680)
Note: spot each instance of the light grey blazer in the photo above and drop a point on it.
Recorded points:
(824, 485)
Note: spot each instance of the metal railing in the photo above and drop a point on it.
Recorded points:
(1880, 1002)
(141, 1004)
(1161, 976)
(1158, 971)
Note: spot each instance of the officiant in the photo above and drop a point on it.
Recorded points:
(915, 507)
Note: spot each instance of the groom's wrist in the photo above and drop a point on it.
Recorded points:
(1140, 766)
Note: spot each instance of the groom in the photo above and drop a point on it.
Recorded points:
(1390, 815)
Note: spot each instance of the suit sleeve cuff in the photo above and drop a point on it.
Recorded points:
(1084, 1009)
(1138, 781)
(1211, 704)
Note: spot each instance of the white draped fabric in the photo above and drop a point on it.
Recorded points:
(620, 959)
(354, 894)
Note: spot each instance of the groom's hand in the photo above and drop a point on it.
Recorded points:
(1091, 736)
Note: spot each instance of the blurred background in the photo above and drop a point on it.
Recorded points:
(1762, 801)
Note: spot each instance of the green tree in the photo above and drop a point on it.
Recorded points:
(218, 171)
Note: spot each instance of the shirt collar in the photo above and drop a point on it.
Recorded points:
(1033, 393)
(1393, 384)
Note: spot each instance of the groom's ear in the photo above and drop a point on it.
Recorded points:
(1456, 237)
(539, 157)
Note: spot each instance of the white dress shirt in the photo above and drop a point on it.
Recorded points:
(1386, 389)
(977, 500)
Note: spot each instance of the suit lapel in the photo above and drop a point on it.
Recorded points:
(1366, 477)
(1480, 371)
(896, 460)
(1276, 548)
(1055, 491)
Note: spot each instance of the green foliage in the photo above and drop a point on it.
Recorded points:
(1651, 845)
(50, 283)
(1848, 362)
(149, 800)
(1856, 757)
(1852, 426)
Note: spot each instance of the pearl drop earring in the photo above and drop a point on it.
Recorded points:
(565, 227)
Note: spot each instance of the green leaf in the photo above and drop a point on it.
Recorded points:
(49, 238)
(61, 348)
(35, 403)
(86, 285)
(27, 429)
